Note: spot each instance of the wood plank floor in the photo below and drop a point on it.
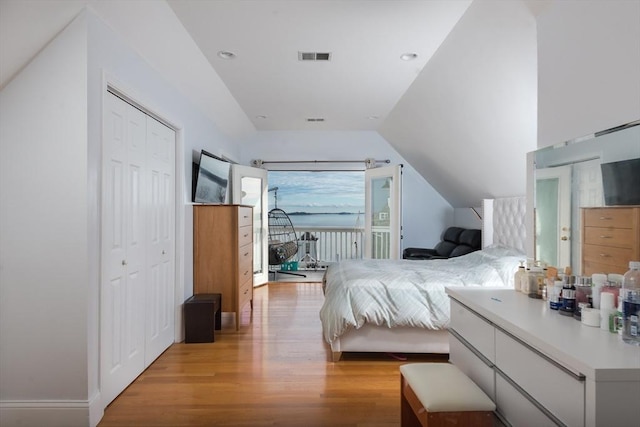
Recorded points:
(275, 371)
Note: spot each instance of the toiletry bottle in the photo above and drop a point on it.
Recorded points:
(598, 280)
(555, 298)
(631, 304)
(524, 281)
(517, 278)
(536, 281)
(568, 296)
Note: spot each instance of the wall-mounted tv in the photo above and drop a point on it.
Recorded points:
(621, 182)
(212, 179)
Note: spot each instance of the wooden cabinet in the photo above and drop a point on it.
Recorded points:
(610, 239)
(223, 254)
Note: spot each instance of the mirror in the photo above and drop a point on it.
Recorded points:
(568, 178)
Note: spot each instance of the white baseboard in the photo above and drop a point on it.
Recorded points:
(51, 413)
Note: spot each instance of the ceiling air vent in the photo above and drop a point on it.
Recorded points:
(314, 56)
(315, 119)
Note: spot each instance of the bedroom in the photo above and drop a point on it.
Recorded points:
(67, 71)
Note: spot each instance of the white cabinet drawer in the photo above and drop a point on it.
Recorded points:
(554, 388)
(472, 366)
(516, 408)
(477, 331)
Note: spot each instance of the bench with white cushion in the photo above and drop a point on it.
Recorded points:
(439, 394)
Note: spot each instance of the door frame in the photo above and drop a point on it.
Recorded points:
(237, 173)
(565, 228)
(395, 173)
(112, 84)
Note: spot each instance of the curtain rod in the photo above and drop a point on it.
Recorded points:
(369, 162)
(320, 161)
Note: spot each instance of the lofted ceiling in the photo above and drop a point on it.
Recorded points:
(354, 90)
(466, 99)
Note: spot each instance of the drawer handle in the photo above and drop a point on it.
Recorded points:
(605, 218)
(246, 291)
(245, 235)
(245, 273)
(246, 254)
(605, 256)
(605, 237)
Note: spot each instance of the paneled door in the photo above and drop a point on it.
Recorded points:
(137, 278)
(160, 238)
(250, 187)
(383, 212)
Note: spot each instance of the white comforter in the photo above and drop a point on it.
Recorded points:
(407, 292)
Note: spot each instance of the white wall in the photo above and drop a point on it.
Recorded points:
(469, 118)
(425, 213)
(50, 128)
(588, 68)
(43, 251)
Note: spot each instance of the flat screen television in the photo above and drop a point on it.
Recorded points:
(621, 182)
(212, 179)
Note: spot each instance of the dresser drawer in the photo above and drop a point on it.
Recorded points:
(516, 408)
(244, 239)
(473, 366)
(607, 255)
(607, 236)
(245, 216)
(590, 267)
(555, 388)
(477, 331)
(245, 264)
(608, 217)
(245, 293)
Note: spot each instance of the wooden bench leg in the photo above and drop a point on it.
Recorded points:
(408, 416)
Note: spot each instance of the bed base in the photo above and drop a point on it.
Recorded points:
(381, 339)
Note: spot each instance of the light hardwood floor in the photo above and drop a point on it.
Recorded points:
(275, 371)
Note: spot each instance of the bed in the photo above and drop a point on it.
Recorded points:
(399, 306)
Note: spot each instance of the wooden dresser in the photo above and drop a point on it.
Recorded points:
(223, 254)
(610, 239)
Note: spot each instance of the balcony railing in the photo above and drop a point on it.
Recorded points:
(332, 244)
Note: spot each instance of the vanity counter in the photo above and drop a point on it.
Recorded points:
(602, 372)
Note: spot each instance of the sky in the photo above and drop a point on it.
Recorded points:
(317, 192)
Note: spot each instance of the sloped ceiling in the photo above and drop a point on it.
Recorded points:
(462, 113)
(354, 90)
(469, 118)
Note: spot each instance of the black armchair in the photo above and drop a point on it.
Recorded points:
(456, 241)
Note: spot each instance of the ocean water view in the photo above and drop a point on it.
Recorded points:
(342, 220)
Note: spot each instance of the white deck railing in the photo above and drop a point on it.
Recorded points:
(333, 243)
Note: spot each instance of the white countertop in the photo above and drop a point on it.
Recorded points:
(599, 355)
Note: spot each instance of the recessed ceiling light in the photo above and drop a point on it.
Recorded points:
(261, 117)
(408, 56)
(373, 117)
(225, 54)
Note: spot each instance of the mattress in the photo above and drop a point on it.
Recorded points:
(410, 293)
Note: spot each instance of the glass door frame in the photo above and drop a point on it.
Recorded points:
(561, 175)
(237, 173)
(394, 176)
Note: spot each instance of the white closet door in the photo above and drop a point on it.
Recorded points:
(138, 244)
(123, 247)
(160, 286)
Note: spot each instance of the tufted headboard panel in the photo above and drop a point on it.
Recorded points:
(504, 222)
